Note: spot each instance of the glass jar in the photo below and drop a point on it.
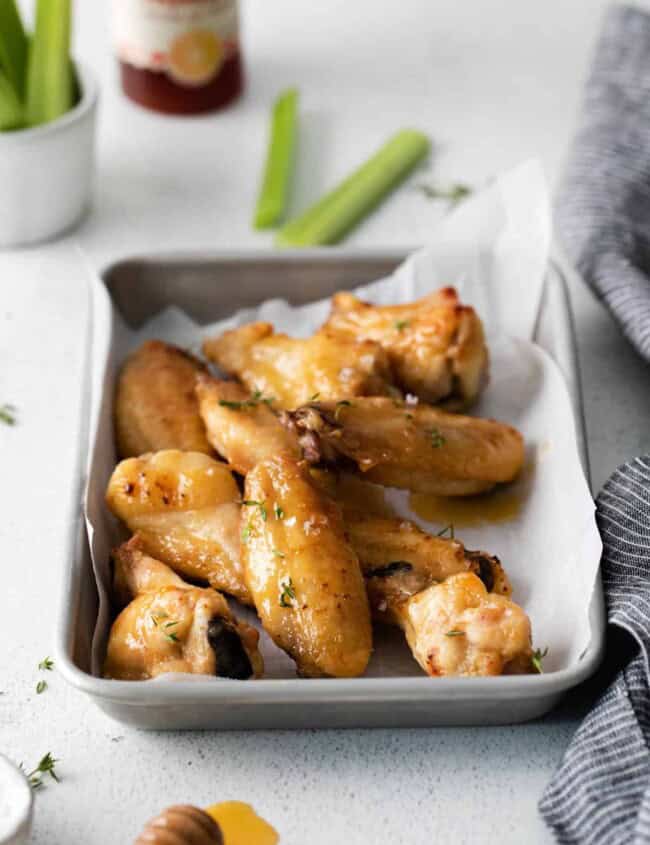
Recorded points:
(179, 56)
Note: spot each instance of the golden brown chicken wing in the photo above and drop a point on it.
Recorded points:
(415, 447)
(292, 371)
(185, 507)
(458, 628)
(304, 576)
(170, 626)
(435, 345)
(155, 404)
(398, 560)
(244, 431)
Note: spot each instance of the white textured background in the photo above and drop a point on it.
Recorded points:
(493, 82)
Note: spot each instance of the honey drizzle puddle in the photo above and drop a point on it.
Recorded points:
(501, 505)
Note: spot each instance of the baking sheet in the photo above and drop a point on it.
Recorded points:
(494, 249)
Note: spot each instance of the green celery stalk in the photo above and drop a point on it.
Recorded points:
(332, 217)
(12, 113)
(50, 86)
(13, 46)
(274, 192)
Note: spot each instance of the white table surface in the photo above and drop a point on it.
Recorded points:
(493, 82)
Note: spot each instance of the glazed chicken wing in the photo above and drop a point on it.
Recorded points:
(304, 576)
(458, 628)
(170, 626)
(242, 430)
(417, 447)
(291, 371)
(399, 559)
(435, 345)
(185, 507)
(155, 405)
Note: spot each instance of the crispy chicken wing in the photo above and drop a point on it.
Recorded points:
(170, 626)
(185, 507)
(435, 345)
(155, 405)
(291, 370)
(415, 447)
(458, 628)
(304, 576)
(243, 431)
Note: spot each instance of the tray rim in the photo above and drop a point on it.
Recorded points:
(317, 690)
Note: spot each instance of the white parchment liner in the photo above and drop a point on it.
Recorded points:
(494, 249)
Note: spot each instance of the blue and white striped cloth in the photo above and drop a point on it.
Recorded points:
(600, 795)
(603, 209)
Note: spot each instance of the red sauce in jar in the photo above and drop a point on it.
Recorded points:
(179, 56)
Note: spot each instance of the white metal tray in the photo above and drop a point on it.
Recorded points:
(208, 287)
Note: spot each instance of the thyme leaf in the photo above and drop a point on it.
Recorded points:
(454, 194)
(47, 664)
(41, 686)
(455, 633)
(277, 510)
(8, 414)
(448, 529)
(288, 594)
(537, 658)
(437, 440)
(400, 325)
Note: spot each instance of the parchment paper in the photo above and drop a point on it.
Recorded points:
(494, 249)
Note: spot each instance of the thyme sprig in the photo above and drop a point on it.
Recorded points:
(46, 766)
(46, 665)
(455, 193)
(251, 503)
(255, 399)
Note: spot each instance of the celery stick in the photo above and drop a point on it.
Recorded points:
(13, 46)
(332, 217)
(49, 77)
(274, 192)
(12, 114)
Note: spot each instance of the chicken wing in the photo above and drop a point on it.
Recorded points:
(170, 626)
(415, 447)
(435, 345)
(458, 628)
(304, 576)
(185, 507)
(292, 371)
(155, 405)
(243, 431)
(399, 559)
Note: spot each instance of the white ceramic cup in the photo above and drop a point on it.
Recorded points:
(46, 172)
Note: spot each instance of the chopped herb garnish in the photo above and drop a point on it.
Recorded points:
(344, 403)
(537, 658)
(255, 399)
(170, 624)
(41, 686)
(448, 529)
(389, 569)
(251, 503)
(45, 767)
(453, 194)
(8, 414)
(246, 533)
(288, 594)
(277, 510)
(455, 633)
(400, 325)
(173, 638)
(47, 664)
(437, 440)
(314, 397)
(278, 553)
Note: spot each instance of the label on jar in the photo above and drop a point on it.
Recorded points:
(187, 39)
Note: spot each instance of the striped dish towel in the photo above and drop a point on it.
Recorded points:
(600, 795)
(603, 210)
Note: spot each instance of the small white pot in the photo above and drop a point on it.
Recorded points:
(46, 172)
(16, 804)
